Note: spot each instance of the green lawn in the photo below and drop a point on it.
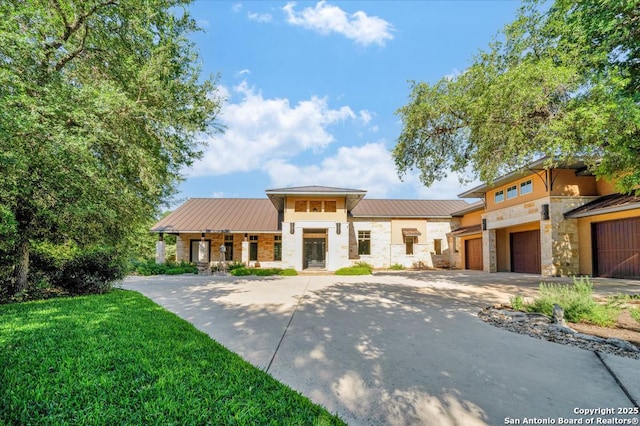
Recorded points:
(119, 358)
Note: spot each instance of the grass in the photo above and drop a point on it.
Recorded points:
(577, 301)
(358, 268)
(118, 358)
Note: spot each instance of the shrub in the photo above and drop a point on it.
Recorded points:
(577, 301)
(353, 270)
(74, 269)
(397, 267)
(363, 265)
(240, 271)
(517, 302)
(235, 265)
(150, 267)
(289, 272)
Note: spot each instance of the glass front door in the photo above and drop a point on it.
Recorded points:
(314, 252)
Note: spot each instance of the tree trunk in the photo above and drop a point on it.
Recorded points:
(22, 268)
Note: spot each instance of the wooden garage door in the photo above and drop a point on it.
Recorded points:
(525, 252)
(473, 254)
(617, 248)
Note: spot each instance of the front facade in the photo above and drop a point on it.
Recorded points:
(312, 228)
(557, 221)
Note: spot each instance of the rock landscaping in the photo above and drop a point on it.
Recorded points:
(554, 329)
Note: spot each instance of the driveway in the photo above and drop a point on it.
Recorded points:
(403, 348)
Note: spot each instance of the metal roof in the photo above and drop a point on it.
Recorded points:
(221, 215)
(607, 204)
(407, 208)
(469, 208)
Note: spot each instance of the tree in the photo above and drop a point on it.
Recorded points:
(101, 104)
(563, 83)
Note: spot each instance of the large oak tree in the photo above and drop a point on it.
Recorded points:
(562, 82)
(101, 105)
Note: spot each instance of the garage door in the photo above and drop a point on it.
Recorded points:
(473, 254)
(617, 248)
(525, 252)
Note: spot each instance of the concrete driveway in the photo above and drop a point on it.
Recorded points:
(403, 348)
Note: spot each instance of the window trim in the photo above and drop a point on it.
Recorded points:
(529, 183)
(515, 192)
(362, 237)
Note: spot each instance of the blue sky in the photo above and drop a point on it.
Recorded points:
(311, 89)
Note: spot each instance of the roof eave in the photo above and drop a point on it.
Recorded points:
(605, 210)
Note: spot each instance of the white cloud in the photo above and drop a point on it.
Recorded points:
(369, 167)
(327, 19)
(259, 130)
(242, 73)
(260, 17)
(236, 7)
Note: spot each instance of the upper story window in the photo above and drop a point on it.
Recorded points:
(301, 206)
(499, 196)
(526, 187)
(512, 192)
(330, 206)
(315, 206)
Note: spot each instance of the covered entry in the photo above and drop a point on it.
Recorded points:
(473, 254)
(314, 248)
(616, 248)
(525, 252)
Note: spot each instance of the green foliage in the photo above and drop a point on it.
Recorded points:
(239, 271)
(517, 302)
(150, 267)
(563, 84)
(361, 264)
(101, 107)
(235, 265)
(397, 267)
(353, 270)
(74, 269)
(577, 301)
(118, 358)
(635, 314)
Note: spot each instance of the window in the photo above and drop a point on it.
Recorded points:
(437, 246)
(330, 206)
(526, 187)
(512, 192)
(364, 242)
(315, 206)
(253, 247)
(499, 197)
(228, 245)
(277, 247)
(408, 242)
(301, 206)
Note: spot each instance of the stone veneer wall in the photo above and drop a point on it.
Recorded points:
(559, 237)
(380, 239)
(438, 229)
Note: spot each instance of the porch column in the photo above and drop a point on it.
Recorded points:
(160, 249)
(245, 251)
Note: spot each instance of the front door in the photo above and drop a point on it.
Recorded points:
(314, 253)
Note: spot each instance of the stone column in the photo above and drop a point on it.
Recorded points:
(245, 251)
(160, 250)
(489, 251)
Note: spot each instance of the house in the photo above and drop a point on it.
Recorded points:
(312, 227)
(557, 221)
